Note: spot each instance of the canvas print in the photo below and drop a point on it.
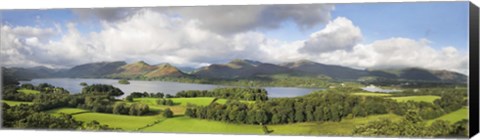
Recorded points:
(353, 69)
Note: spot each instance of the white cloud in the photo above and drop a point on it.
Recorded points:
(16, 44)
(155, 37)
(339, 34)
(398, 53)
(227, 20)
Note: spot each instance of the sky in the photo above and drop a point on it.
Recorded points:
(430, 35)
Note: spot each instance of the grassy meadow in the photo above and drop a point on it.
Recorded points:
(14, 103)
(453, 117)
(425, 98)
(125, 122)
(71, 111)
(189, 125)
(343, 127)
(28, 91)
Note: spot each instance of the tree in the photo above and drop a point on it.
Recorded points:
(129, 98)
(167, 113)
(382, 127)
(27, 86)
(123, 81)
(460, 128)
(83, 84)
(261, 117)
(189, 112)
(95, 125)
(47, 121)
(440, 128)
(102, 89)
(119, 108)
(241, 117)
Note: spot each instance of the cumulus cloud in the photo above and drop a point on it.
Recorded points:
(148, 35)
(106, 14)
(227, 20)
(16, 44)
(398, 53)
(339, 34)
(159, 37)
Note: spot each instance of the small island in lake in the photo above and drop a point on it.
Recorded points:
(123, 81)
(83, 84)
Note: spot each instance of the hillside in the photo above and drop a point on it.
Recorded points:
(239, 69)
(165, 70)
(133, 70)
(337, 72)
(420, 74)
(92, 70)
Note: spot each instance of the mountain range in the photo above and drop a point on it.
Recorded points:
(235, 69)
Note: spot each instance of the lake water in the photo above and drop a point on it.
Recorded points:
(73, 85)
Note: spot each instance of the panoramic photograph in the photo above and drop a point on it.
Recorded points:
(353, 69)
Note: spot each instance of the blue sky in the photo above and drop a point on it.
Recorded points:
(444, 23)
(353, 27)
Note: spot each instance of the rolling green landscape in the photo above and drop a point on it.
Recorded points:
(336, 105)
(181, 120)
(362, 70)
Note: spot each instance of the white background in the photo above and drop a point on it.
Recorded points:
(74, 135)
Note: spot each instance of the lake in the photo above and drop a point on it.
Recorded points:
(73, 85)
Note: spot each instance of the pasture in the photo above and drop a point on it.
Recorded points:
(14, 103)
(180, 103)
(125, 122)
(425, 98)
(344, 127)
(28, 91)
(453, 117)
(189, 125)
(71, 111)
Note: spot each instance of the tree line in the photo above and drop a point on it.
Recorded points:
(327, 105)
(249, 94)
(412, 125)
(96, 97)
(146, 94)
(314, 107)
(25, 117)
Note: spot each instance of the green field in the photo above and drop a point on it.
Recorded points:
(14, 103)
(203, 101)
(454, 116)
(180, 103)
(426, 98)
(188, 125)
(71, 111)
(371, 94)
(124, 122)
(28, 91)
(179, 108)
(344, 127)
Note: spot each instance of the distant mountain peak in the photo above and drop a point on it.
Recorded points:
(165, 70)
(141, 62)
(300, 63)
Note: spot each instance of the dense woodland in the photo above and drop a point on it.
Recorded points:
(249, 94)
(321, 106)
